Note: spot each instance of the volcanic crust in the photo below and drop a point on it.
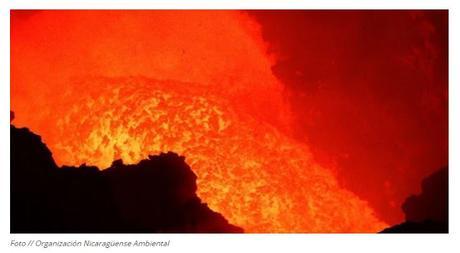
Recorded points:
(155, 195)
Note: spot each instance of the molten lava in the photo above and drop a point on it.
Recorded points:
(99, 90)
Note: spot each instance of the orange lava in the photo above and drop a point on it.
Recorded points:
(100, 86)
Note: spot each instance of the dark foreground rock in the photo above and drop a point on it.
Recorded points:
(428, 211)
(156, 195)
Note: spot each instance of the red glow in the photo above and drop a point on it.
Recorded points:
(103, 85)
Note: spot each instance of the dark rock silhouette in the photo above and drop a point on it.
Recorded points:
(427, 212)
(426, 226)
(155, 195)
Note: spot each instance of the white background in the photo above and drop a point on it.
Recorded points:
(245, 242)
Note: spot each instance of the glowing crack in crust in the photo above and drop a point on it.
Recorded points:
(247, 170)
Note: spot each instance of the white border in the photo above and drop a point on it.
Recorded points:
(251, 242)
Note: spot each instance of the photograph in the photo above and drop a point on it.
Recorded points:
(229, 121)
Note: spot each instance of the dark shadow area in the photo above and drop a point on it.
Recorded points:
(427, 212)
(357, 80)
(156, 195)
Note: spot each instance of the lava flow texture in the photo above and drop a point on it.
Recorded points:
(105, 85)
